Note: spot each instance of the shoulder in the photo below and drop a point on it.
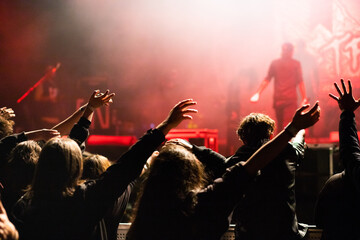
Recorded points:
(296, 62)
(241, 155)
(276, 62)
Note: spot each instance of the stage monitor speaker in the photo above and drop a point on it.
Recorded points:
(320, 162)
(111, 147)
(200, 137)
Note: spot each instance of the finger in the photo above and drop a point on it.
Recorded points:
(108, 97)
(106, 93)
(95, 93)
(179, 104)
(187, 116)
(314, 109)
(338, 89)
(333, 96)
(190, 111)
(302, 109)
(357, 102)
(350, 87)
(187, 104)
(343, 86)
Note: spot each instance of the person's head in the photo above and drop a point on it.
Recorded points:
(22, 162)
(58, 170)
(94, 165)
(6, 127)
(287, 50)
(256, 128)
(172, 176)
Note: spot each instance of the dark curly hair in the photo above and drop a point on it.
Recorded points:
(255, 128)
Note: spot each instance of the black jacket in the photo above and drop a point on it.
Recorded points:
(75, 217)
(337, 210)
(267, 210)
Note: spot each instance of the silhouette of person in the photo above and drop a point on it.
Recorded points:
(287, 75)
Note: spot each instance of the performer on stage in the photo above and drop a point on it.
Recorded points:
(287, 75)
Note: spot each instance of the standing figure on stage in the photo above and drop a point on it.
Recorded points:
(287, 75)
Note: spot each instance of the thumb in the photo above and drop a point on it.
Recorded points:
(94, 93)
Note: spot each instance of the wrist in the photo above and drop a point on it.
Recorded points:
(291, 129)
(82, 108)
(91, 108)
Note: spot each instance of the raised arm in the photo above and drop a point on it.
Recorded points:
(263, 85)
(97, 99)
(65, 126)
(129, 166)
(270, 150)
(9, 142)
(349, 141)
(79, 131)
(179, 113)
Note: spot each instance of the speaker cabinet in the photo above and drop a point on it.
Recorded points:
(320, 162)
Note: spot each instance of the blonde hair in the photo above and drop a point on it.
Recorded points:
(58, 170)
(94, 166)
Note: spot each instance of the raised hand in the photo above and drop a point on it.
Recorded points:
(346, 99)
(42, 134)
(7, 229)
(7, 113)
(178, 113)
(255, 97)
(99, 99)
(302, 120)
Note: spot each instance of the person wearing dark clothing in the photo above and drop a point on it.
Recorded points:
(94, 165)
(267, 210)
(287, 75)
(337, 210)
(57, 207)
(176, 201)
(17, 174)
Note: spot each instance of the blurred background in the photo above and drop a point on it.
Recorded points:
(154, 53)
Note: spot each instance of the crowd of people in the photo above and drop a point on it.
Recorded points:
(53, 189)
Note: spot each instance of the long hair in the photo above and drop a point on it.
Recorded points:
(58, 170)
(168, 195)
(22, 163)
(18, 173)
(94, 165)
